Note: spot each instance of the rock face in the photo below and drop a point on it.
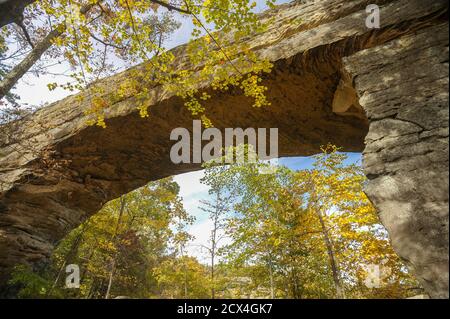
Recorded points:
(334, 80)
(403, 86)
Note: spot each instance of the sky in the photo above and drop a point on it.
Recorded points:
(34, 92)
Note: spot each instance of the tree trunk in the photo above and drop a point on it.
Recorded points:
(19, 70)
(185, 284)
(12, 10)
(11, 79)
(71, 253)
(213, 292)
(214, 243)
(113, 263)
(272, 290)
(111, 275)
(333, 263)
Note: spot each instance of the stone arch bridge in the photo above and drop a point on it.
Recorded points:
(383, 92)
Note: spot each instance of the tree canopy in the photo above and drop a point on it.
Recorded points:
(308, 233)
(101, 37)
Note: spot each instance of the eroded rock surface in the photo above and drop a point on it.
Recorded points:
(403, 86)
(56, 171)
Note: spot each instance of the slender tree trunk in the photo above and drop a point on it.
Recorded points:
(110, 281)
(11, 79)
(185, 284)
(113, 263)
(216, 210)
(214, 245)
(295, 288)
(272, 289)
(184, 272)
(71, 253)
(328, 244)
(91, 288)
(213, 292)
(333, 263)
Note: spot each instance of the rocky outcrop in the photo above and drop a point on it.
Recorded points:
(56, 171)
(403, 86)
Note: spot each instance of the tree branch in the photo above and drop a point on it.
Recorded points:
(171, 7)
(19, 22)
(10, 79)
(108, 44)
(11, 10)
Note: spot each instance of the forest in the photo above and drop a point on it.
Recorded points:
(289, 234)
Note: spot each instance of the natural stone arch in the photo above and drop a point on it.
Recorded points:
(58, 171)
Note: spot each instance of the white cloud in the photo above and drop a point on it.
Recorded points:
(192, 191)
(190, 184)
(202, 232)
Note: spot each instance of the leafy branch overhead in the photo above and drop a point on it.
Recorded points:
(101, 37)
